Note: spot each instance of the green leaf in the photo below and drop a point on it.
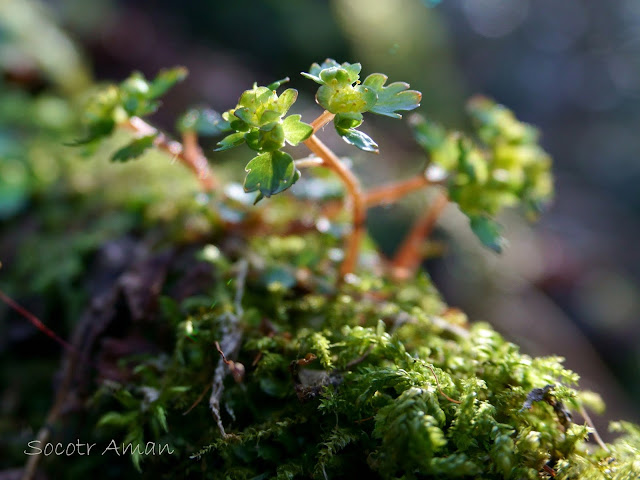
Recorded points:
(296, 131)
(135, 96)
(340, 92)
(270, 173)
(165, 80)
(285, 100)
(429, 135)
(203, 121)
(346, 121)
(395, 96)
(230, 141)
(268, 139)
(314, 71)
(345, 98)
(134, 149)
(96, 130)
(117, 419)
(275, 85)
(358, 139)
(488, 232)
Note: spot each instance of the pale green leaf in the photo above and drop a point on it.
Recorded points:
(296, 131)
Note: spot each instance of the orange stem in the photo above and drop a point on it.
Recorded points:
(194, 159)
(395, 191)
(352, 184)
(324, 118)
(190, 154)
(408, 258)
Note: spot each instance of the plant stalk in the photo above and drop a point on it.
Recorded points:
(409, 255)
(395, 191)
(354, 189)
(189, 155)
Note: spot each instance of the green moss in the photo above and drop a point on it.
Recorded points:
(361, 380)
(370, 401)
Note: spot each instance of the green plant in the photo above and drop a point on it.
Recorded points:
(335, 370)
(502, 166)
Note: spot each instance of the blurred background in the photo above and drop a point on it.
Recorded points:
(569, 285)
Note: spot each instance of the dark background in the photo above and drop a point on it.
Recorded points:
(567, 286)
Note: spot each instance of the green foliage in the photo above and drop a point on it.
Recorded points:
(134, 149)
(259, 120)
(370, 403)
(136, 96)
(503, 167)
(342, 93)
(270, 173)
(357, 380)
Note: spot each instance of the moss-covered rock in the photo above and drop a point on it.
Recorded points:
(371, 378)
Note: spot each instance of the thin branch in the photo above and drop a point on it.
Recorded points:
(195, 160)
(190, 155)
(409, 255)
(596, 435)
(198, 400)
(310, 161)
(324, 118)
(395, 191)
(236, 368)
(35, 321)
(358, 205)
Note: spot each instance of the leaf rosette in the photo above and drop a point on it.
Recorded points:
(260, 121)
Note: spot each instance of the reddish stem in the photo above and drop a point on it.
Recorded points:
(409, 255)
(35, 321)
(395, 191)
(358, 205)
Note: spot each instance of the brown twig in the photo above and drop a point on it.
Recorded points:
(358, 205)
(596, 435)
(236, 368)
(198, 400)
(189, 155)
(195, 160)
(408, 258)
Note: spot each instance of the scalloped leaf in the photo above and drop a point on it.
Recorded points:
(395, 96)
(133, 149)
(296, 131)
(230, 141)
(358, 139)
(270, 173)
(489, 232)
